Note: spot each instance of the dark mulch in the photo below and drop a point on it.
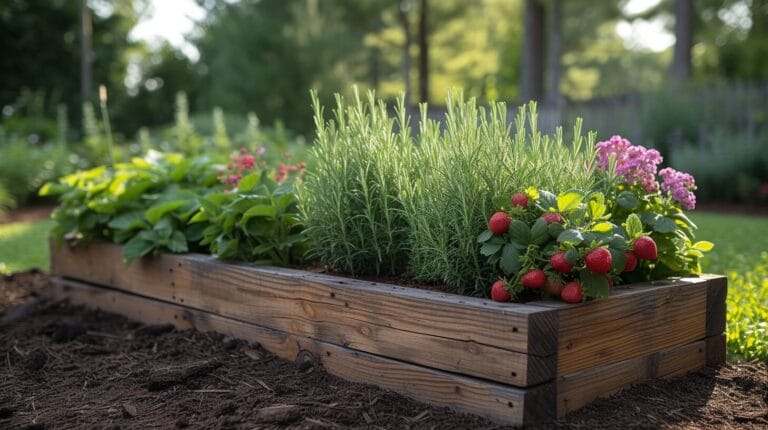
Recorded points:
(65, 367)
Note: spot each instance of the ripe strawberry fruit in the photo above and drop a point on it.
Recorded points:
(598, 261)
(499, 292)
(534, 279)
(560, 264)
(499, 223)
(645, 248)
(572, 292)
(520, 200)
(631, 262)
(553, 287)
(551, 217)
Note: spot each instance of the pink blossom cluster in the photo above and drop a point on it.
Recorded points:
(241, 163)
(635, 163)
(680, 186)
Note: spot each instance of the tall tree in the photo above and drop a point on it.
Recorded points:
(86, 35)
(681, 61)
(554, 97)
(423, 52)
(532, 79)
(406, 65)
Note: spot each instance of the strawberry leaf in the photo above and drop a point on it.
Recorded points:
(593, 285)
(703, 246)
(571, 236)
(618, 260)
(484, 236)
(634, 226)
(489, 249)
(510, 259)
(628, 200)
(568, 201)
(519, 232)
(539, 232)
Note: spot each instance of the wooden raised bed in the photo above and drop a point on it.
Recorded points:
(513, 363)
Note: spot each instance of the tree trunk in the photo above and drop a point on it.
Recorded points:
(423, 53)
(403, 14)
(532, 83)
(86, 34)
(681, 62)
(554, 97)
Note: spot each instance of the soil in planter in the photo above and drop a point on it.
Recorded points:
(64, 367)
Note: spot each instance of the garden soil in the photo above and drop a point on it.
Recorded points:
(65, 367)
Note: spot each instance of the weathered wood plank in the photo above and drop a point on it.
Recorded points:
(631, 323)
(513, 344)
(717, 290)
(500, 403)
(716, 350)
(580, 388)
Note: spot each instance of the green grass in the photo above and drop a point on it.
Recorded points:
(24, 245)
(741, 253)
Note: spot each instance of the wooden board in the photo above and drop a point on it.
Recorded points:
(633, 322)
(514, 344)
(578, 389)
(498, 402)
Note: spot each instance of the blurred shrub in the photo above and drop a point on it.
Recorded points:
(728, 168)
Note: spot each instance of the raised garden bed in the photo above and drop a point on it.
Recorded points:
(513, 363)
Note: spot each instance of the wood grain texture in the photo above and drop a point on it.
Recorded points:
(717, 290)
(716, 350)
(514, 344)
(498, 402)
(580, 388)
(632, 322)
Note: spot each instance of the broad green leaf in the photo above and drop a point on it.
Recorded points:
(596, 205)
(510, 259)
(547, 201)
(571, 236)
(489, 249)
(634, 226)
(603, 227)
(593, 285)
(249, 182)
(618, 259)
(519, 232)
(268, 211)
(155, 213)
(136, 248)
(703, 246)
(129, 221)
(540, 232)
(572, 256)
(178, 242)
(664, 225)
(484, 236)
(628, 200)
(555, 229)
(568, 201)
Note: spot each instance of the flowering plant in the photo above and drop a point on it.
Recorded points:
(578, 244)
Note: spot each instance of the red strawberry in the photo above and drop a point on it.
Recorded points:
(572, 292)
(554, 287)
(645, 248)
(499, 223)
(560, 264)
(534, 279)
(598, 260)
(499, 292)
(551, 217)
(631, 262)
(520, 200)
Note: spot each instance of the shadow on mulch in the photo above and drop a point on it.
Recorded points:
(65, 367)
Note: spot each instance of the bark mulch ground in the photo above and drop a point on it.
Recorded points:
(66, 367)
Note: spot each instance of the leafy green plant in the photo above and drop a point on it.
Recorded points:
(747, 316)
(145, 203)
(258, 221)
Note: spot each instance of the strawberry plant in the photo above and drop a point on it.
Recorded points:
(578, 244)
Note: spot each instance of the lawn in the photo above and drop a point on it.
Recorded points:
(741, 252)
(23, 246)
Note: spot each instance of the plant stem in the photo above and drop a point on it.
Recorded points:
(105, 119)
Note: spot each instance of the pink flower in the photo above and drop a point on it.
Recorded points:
(637, 164)
(680, 186)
